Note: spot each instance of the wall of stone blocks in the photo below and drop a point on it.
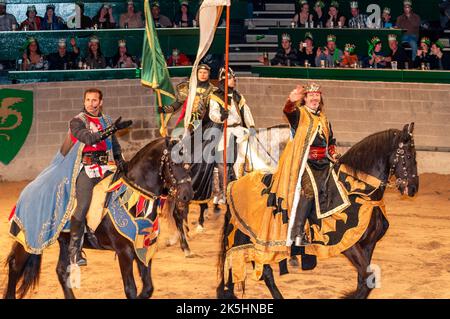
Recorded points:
(355, 109)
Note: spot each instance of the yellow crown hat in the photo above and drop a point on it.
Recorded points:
(312, 88)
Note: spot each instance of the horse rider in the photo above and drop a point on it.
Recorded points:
(240, 123)
(96, 131)
(308, 101)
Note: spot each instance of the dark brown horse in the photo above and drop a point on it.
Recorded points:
(152, 170)
(382, 155)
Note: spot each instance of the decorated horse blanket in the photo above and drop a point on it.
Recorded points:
(330, 235)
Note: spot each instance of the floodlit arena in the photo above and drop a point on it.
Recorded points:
(218, 149)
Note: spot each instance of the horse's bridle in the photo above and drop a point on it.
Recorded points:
(172, 183)
(400, 155)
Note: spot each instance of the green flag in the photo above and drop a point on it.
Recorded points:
(154, 68)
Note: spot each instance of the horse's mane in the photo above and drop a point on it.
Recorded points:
(150, 150)
(365, 154)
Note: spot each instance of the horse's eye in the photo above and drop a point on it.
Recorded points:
(186, 166)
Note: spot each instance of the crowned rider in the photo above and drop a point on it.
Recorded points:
(307, 102)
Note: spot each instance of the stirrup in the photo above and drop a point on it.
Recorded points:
(81, 260)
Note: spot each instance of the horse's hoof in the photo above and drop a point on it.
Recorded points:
(200, 229)
(170, 242)
(189, 254)
(294, 262)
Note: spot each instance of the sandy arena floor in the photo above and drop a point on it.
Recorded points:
(414, 257)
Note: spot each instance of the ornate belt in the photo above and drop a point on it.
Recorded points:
(317, 153)
(92, 158)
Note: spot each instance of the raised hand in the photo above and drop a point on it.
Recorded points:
(297, 94)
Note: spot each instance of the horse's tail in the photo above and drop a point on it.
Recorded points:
(27, 268)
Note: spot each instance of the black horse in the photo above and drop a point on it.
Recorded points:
(153, 170)
(381, 155)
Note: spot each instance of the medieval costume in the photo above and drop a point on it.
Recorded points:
(202, 164)
(239, 119)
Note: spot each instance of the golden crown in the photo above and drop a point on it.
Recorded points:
(312, 88)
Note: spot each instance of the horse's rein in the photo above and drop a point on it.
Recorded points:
(173, 182)
(399, 154)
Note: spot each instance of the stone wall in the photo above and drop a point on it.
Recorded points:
(356, 109)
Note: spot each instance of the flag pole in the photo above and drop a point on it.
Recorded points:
(225, 124)
(162, 129)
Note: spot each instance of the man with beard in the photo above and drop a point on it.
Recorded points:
(239, 118)
(397, 53)
(7, 20)
(307, 102)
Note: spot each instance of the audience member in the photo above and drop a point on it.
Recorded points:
(423, 56)
(306, 51)
(319, 16)
(131, 18)
(86, 22)
(8, 21)
(161, 21)
(32, 58)
(183, 18)
(350, 59)
(287, 55)
(178, 59)
(386, 17)
(302, 18)
(444, 14)
(51, 21)
(104, 18)
(32, 22)
(397, 53)
(334, 18)
(63, 59)
(376, 58)
(440, 60)
(411, 23)
(330, 55)
(358, 20)
(95, 58)
(123, 59)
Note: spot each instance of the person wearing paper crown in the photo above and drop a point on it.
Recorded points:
(376, 58)
(440, 60)
(303, 16)
(410, 22)
(397, 53)
(306, 104)
(64, 59)
(330, 54)
(33, 21)
(334, 17)
(386, 22)
(132, 18)
(423, 55)
(286, 55)
(306, 51)
(350, 59)
(319, 15)
(358, 20)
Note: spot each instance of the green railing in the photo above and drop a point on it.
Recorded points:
(379, 75)
(86, 75)
(185, 39)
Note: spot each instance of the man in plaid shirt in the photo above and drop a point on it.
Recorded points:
(357, 21)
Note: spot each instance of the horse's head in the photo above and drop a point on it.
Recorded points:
(176, 177)
(403, 162)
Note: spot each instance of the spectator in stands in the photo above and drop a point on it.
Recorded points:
(63, 59)
(51, 21)
(376, 58)
(350, 59)
(32, 22)
(95, 58)
(32, 58)
(334, 18)
(7, 20)
(423, 57)
(302, 18)
(306, 51)
(444, 13)
(184, 18)
(386, 22)
(319, 17)
(287, 55)
(440, 60)
(104, 19)
(161, 21)
(358, 20)
(331, 55)
(178, 59)
(131, 19)
(86, 22)
(397, 53)
(123, 59)
(411, 23)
